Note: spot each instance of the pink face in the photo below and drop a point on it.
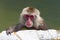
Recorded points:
(29, 20)
(29, 16)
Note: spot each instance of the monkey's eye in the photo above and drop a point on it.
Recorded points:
(32, 17)
(29, 16)
(26, 16)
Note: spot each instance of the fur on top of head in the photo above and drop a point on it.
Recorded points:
(30, 10)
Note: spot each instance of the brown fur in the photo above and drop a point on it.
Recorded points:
(30, 9)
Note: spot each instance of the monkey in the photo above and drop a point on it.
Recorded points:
(29, 18)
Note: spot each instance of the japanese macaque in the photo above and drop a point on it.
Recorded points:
(29, 18)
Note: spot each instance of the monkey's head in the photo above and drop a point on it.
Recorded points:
(28, 16)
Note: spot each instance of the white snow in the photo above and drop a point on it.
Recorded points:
(31, 35)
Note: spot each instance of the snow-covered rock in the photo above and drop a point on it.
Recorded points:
(47, 34)
(31, 35)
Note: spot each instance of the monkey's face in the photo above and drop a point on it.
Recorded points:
(29, 20)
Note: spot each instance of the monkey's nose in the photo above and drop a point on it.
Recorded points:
(28, 23)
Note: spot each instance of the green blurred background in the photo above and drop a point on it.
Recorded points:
(10, 11)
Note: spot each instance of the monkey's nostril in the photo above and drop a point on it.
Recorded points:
(28, 23)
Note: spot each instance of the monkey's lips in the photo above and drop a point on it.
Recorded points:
(28, 25)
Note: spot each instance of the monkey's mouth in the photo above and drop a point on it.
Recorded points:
(28, 25)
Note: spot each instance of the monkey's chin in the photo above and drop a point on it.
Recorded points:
(28, 26)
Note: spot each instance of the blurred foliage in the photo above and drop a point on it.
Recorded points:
(10, 11)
